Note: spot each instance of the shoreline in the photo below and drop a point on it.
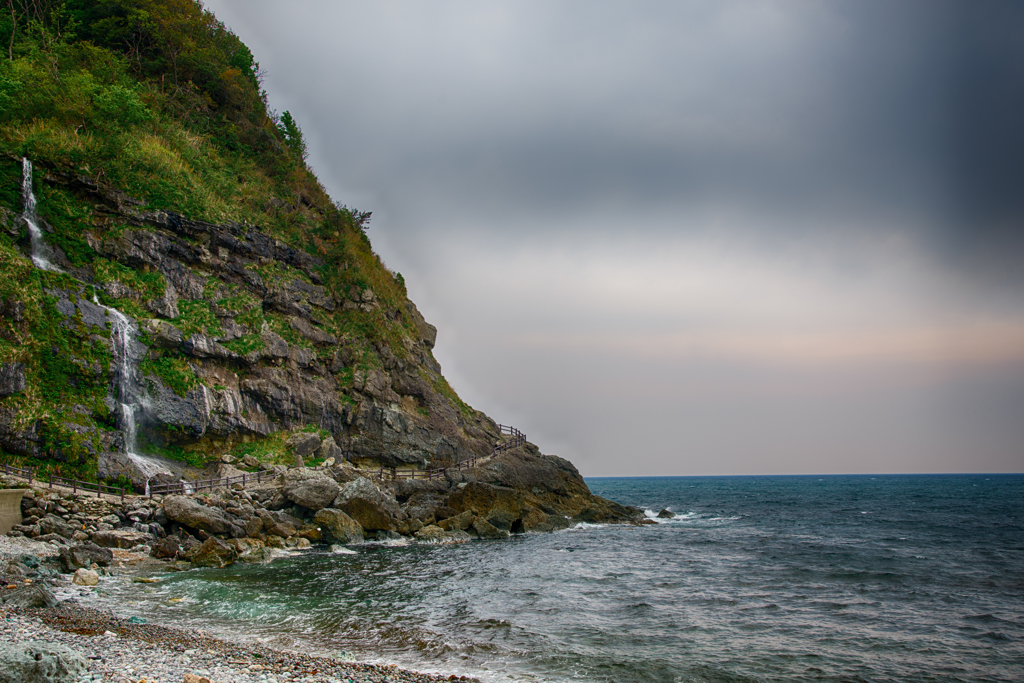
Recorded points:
(122, 649)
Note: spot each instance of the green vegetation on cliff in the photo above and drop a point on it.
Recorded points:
(130, 108)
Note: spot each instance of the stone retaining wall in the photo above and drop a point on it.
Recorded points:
(10, 508)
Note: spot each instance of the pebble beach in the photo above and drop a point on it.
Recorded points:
(120, 650)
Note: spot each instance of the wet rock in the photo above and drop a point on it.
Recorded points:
(35, 595)
(500, 506)
(36, 661)
(250, 550)
(85, 555)
(534, 519)
(459, 522)
(187, 511)
(310, 489)
(338, 527)
(666, 514)
(212, 553)
(85, 577)
(162, 335)
(485, 529)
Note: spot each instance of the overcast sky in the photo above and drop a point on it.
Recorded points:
(670, 238)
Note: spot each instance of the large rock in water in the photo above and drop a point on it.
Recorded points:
(363, 502)
(36, 661)
(501, 507)
(187, 511)
(310, 489)
(551, 484)
(212, 553)
(338, 527)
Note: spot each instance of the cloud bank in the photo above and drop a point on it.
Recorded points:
(691, 238)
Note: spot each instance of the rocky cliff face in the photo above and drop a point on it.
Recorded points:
(243, 341)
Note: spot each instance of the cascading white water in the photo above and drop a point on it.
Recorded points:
(128, 392)
(127, 385)
(41, 251)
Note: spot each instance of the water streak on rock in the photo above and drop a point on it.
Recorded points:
(41, 251)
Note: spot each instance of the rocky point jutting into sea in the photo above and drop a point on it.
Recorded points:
(182, 302)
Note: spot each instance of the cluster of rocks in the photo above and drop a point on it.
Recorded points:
(303, 506)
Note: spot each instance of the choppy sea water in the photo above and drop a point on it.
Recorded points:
(833, 578)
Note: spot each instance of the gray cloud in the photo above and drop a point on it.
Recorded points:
(668, 187)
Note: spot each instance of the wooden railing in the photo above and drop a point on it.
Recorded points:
(88, 487)
(517, 439)
(190, 487)
(76, 485)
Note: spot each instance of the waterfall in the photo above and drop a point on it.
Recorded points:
(127, 386)
(128, 392)
(41, 251)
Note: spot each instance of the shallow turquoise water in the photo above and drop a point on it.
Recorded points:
(886, 578)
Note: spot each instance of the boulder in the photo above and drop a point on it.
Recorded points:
(363, 502)
(121, 538)
(534, 519)
(251, 551)
(51, 524)
(303, 443)
(34, 595)
(500, 506)
(338, 527)
(166, 548)
(485, 529)
(185, 510)
(85, 577)
(309, 488)
(85, 555)
(424, 507)
(36, 661)
(329, 449)
(251, 461)
(666, 514)
(407, 488)
(212, 553)
(459, 522)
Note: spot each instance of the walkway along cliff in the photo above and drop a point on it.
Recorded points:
(401, 458)
(182, 301)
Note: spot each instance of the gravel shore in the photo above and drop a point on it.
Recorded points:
(123, 650)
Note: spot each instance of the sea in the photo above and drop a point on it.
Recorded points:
(761, 578)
